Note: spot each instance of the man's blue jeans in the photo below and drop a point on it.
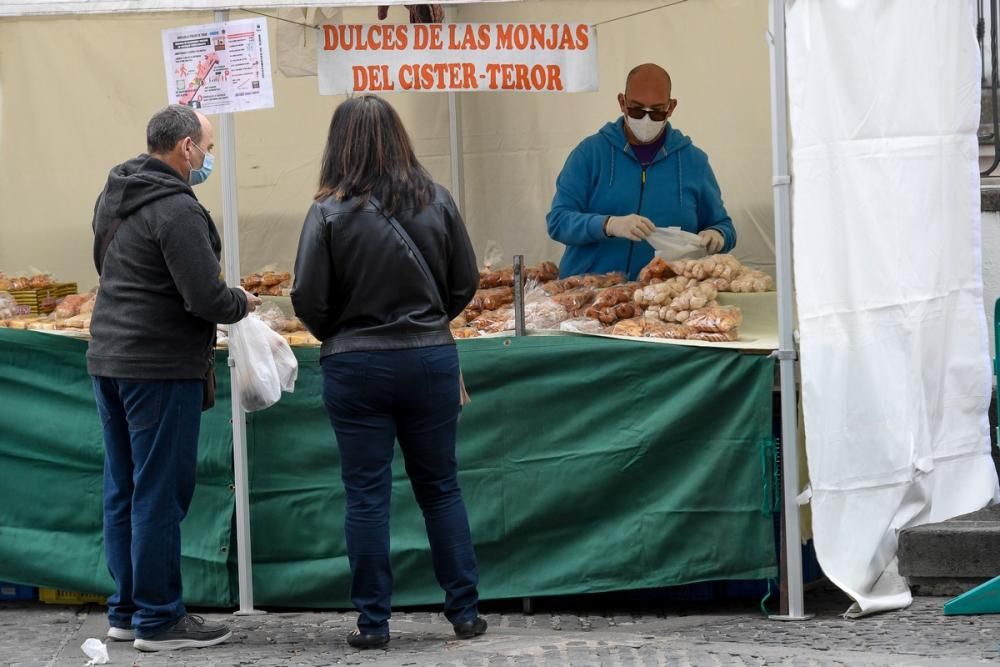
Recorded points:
(373, 399)
(150, 455)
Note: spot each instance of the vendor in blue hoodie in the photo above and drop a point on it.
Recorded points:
(634, 175)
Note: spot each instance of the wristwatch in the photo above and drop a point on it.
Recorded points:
(604, 227)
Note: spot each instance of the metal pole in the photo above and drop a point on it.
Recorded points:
(519, 329)
(786, 344)
(456, 146)
(231, 245)
(456, 151)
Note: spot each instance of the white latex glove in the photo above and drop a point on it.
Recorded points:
(252, 301)
(713, 240)
(632, 227)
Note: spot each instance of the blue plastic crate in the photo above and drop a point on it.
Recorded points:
(16, 592)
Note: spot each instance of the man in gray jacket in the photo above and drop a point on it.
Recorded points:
(151, 356)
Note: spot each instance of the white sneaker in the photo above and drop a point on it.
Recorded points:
(121, 634)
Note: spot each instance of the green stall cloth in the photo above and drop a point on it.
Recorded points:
(587, 465)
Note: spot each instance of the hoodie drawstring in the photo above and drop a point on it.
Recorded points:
(680, 181)
(611, 179)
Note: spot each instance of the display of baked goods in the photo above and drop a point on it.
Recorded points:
(267, 283)
(542, 272)
(671, 300)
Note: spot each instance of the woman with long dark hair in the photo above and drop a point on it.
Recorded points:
(384, 264)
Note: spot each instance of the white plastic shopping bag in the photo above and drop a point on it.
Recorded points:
(265, 364)
(673, 243)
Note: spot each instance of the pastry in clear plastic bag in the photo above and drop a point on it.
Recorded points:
(611, 314)
(752, 280)
(71, 305)
(604, 279)
(658, 269)
(583, 325)
(494, 321)
(544, 314)
(611, 296)
(666, 330)
(715, 336)
(633, 327)
(693, 298)
(574, 300)
(8, 307)
(493, 278)
(716, 319)
(595, 281)
(542, 273)
(492, 299)
(271, 315)
(723, 266)
(662, 293)
(464, 332)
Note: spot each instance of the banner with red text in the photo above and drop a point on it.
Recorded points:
(467, 57)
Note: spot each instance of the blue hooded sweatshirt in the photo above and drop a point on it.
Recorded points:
(603, 177)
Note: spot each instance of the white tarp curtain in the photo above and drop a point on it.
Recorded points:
(42, 7)
(884, 107)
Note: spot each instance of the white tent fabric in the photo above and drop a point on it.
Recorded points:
(884, 106)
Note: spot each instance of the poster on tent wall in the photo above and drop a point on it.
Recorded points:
(466, 57)
(219, 67)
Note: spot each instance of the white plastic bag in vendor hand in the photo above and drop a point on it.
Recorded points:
(265, 364)
(673, 243)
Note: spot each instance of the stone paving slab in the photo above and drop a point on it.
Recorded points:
(586, 631)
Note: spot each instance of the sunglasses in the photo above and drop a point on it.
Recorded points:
(654, 114)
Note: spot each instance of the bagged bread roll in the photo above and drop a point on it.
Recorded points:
(611, 296)
(716, 337)
(574, 300)
(716, 319)
(492, 299)
(658, 270)
(464, 332)
(629, 327)
(493, 321)
(583, 325)
(71, 305)
(694, 297)
(666, 330)
(752, 281)
(542, 273)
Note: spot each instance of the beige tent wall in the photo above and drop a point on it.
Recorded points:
(75, 94)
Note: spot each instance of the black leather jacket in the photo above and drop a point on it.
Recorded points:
(357, 286)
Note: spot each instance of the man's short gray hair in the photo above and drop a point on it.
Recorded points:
(169, 125)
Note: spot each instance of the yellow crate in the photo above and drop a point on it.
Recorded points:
(56, 596)
(41, 300)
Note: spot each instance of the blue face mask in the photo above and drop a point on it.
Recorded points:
(201, 175)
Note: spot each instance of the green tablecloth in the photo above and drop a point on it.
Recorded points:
(587, 465)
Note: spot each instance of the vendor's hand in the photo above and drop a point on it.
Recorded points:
(632, 227)
(713, 240)
(252, 300)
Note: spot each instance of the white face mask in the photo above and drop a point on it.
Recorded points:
(645, 129)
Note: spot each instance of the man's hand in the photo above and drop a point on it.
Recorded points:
(252, 301)
(631, 227)
(712, 240)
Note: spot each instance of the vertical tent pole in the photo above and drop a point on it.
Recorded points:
(231, 245)
(786, 344)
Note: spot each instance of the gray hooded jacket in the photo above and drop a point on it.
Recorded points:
(161, 291)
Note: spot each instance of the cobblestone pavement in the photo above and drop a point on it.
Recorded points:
(594, 630)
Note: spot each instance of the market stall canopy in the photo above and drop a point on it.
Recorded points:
(55, 7)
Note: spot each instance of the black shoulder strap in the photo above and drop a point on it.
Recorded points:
(108, 238)
(414, 250)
